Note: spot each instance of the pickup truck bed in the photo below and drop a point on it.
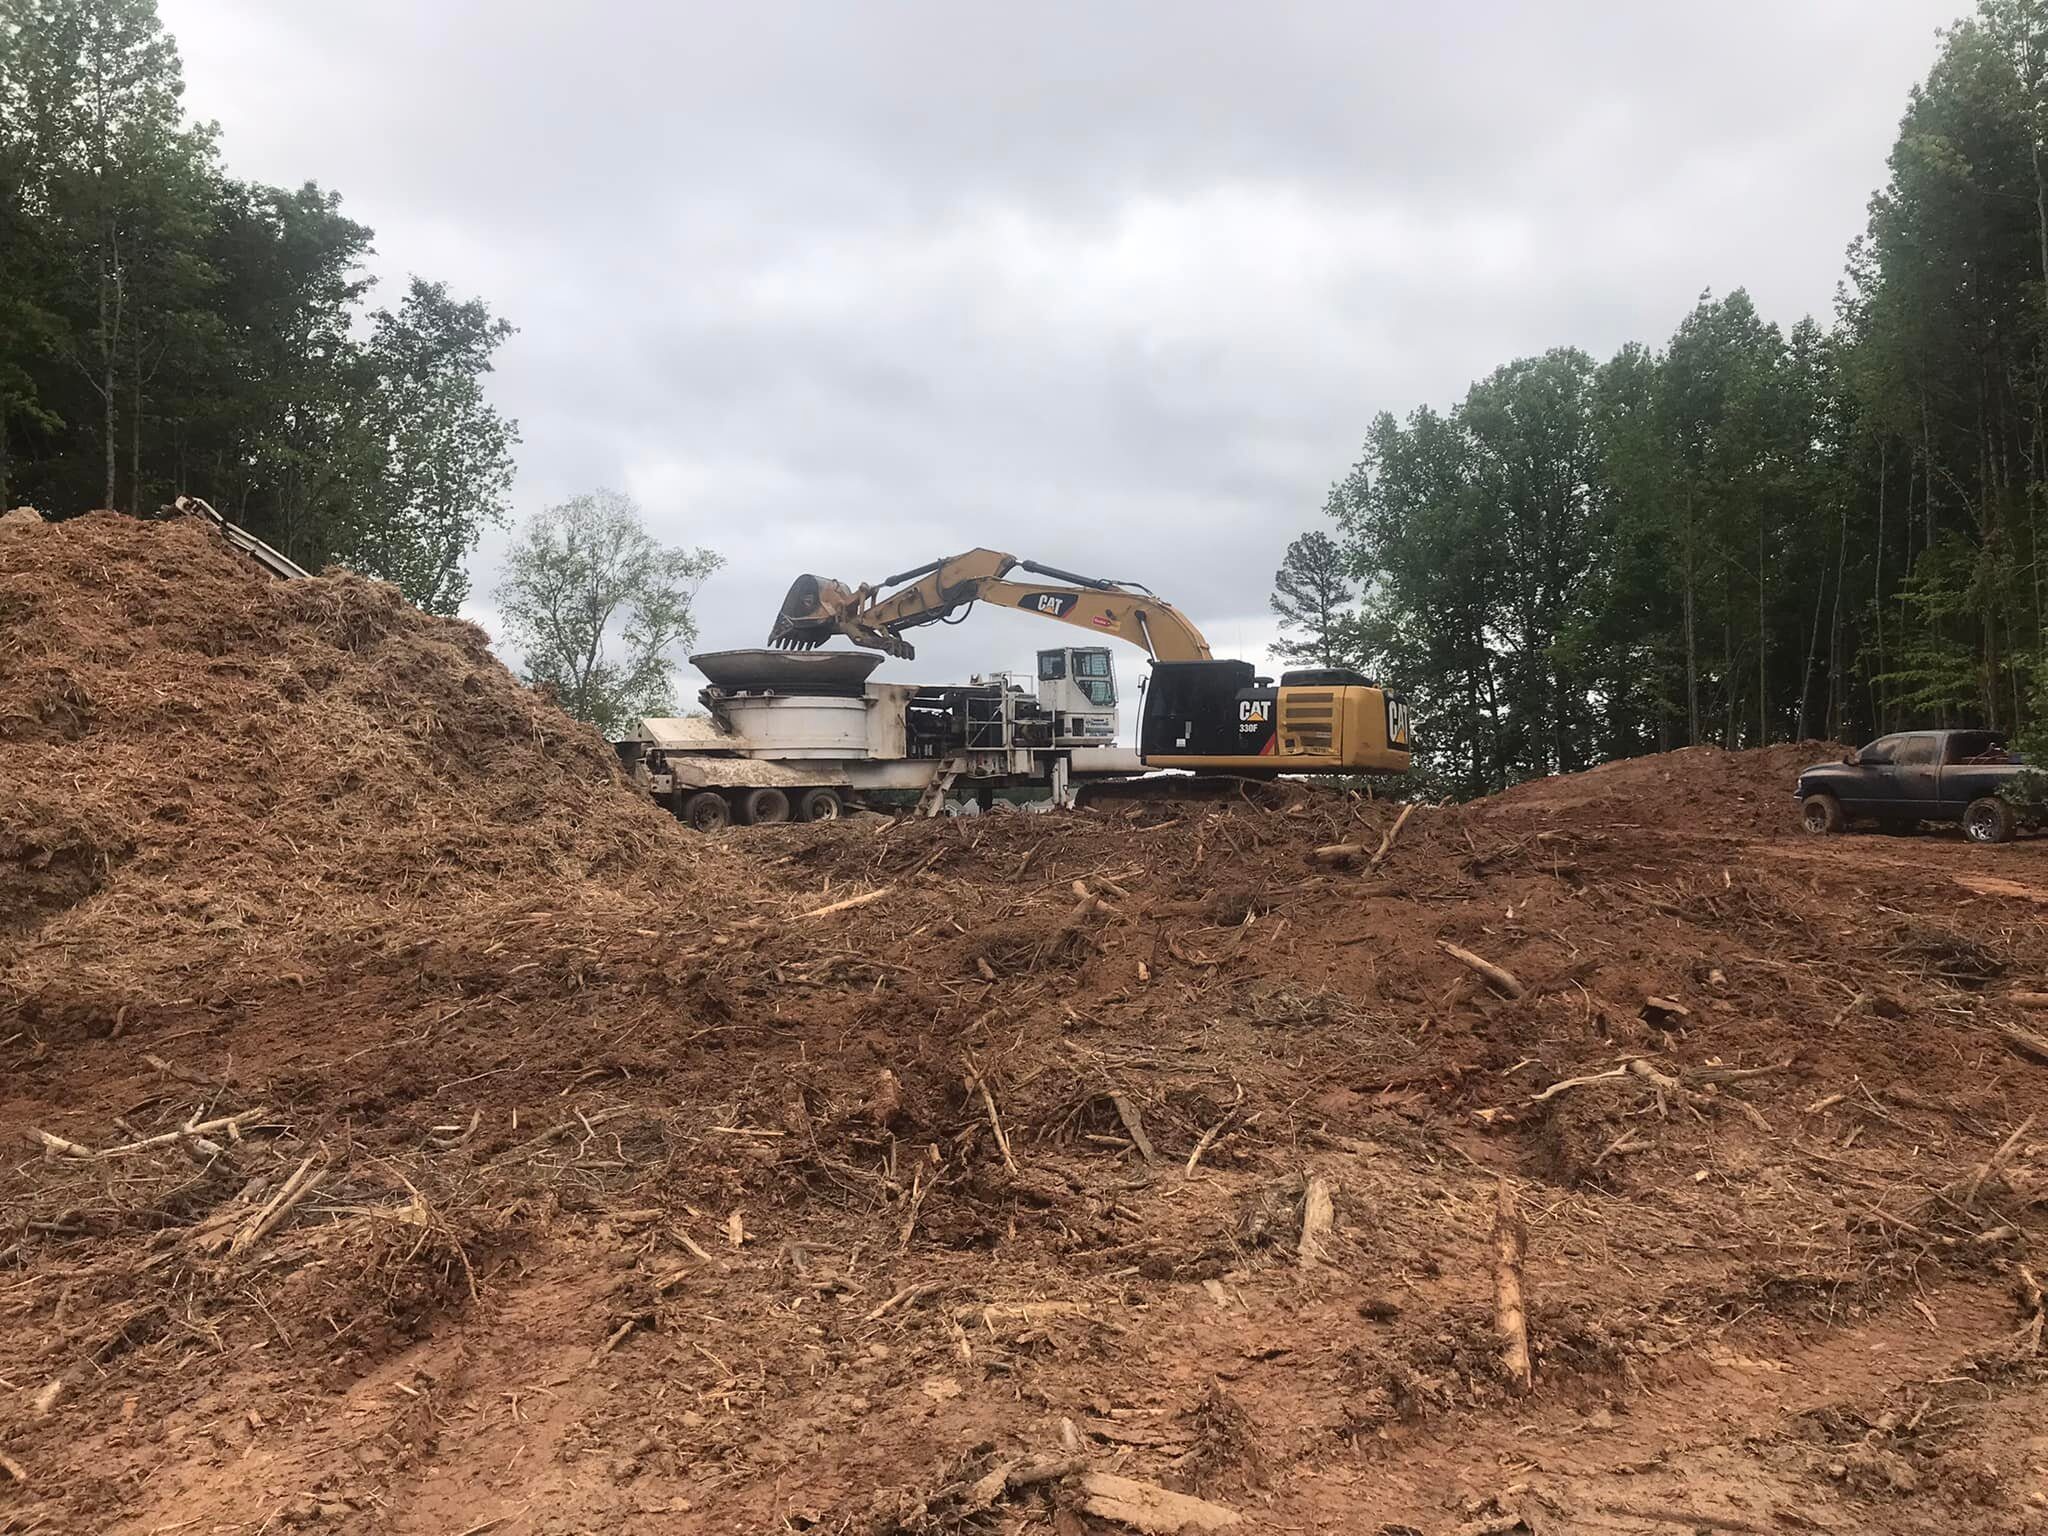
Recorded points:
(1902, 780)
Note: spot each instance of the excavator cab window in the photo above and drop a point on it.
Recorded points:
(1096, 676)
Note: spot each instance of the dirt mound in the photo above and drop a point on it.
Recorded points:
(977, 1175)
(1699, 789)
(214, 776)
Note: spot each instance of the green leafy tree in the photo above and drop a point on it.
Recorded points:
(1314, 597)
(441, 455)
(165, 328)
(599, 609)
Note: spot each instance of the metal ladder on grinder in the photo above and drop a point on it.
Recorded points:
(933, 800)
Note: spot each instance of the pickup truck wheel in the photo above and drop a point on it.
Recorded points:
(820, 805)
(1988, 820)
(1821, 814)
(706, 811)
(760, 807)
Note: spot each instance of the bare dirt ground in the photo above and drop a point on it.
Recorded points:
(580, 1176)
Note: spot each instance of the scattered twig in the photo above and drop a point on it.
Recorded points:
(1387, 840)
(191, 1130)
(1202, 1145)
(988, 1101)
(904, 1297)
(303, 1181)
(843, 906)
(1500, 980)
(1579, 1082)
(1623, 1144)
(1997, 1159)
(616, 1337)
(580, 1122)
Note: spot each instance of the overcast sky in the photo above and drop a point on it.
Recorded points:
(844, 287)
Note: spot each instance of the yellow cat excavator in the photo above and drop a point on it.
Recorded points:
(1199, 713)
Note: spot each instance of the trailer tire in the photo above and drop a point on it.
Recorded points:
(820, 805)
(763, 807)
(706, 811)
(1988, 820)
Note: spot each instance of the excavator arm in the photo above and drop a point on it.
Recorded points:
(876, 616)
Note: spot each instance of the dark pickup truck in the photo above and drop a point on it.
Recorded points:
(1902, 780)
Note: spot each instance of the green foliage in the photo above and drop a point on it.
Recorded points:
(597, 608)
(164, 328)
(1750, 535)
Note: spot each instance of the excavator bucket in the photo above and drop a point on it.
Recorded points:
(817, 609)
(812, 614)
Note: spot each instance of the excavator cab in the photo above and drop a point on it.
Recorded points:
(1078, 684)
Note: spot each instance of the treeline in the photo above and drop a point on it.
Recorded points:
(167, 328)
(1750, 534)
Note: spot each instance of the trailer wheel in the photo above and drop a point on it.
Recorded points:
(1988, 820)
(706, 811)
(820, 805)
(760, 807)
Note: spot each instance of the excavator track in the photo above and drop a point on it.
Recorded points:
(1172, 789)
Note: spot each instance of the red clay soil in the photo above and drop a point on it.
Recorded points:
(578, 1179)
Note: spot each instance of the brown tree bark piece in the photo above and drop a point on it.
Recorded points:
(1148, 1507)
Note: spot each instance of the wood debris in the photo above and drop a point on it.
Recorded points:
(1502, 981)
(1510, 1249)
(1149, 1507)
(1317, 1216)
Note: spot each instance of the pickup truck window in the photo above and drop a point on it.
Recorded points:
(1981, 747)
(1882, 748)
(1914, 752)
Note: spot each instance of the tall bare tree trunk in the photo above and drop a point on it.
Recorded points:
(1763, 692)
(135, 431)
(1837, 695)
(1692, 652)
(110, 332)
(1877, 587)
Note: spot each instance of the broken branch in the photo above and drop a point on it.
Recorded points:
(1387, 841)
(1500, 980)
(844, 906)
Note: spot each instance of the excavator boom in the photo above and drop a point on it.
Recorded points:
(816, 608)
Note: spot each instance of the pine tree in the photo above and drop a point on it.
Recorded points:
(1313, 596)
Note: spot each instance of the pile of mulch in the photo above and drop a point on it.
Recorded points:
(1694, 789)
(212, 775)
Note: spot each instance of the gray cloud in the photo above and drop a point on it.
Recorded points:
(841, 288)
